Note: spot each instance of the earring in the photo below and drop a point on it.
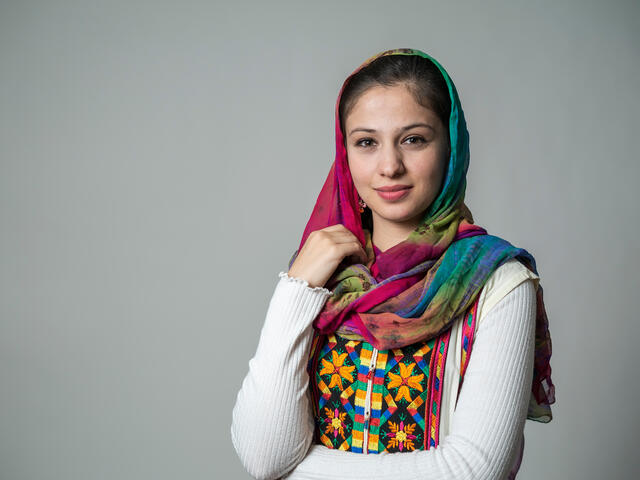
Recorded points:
(361, 204)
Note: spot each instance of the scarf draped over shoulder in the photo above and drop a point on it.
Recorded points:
(416, 289)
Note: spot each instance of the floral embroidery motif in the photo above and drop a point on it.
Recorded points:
(401, 436)
(337, 370)
(339, 374)
(404, 381)
(335, 422)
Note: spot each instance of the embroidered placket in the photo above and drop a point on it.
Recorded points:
(367, 400)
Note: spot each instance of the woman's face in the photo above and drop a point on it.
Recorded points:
(392, 140)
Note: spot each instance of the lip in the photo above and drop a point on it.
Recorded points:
(392, 188)
(395, 192)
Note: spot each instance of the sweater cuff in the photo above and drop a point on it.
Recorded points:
(293, 308)
(304, 283)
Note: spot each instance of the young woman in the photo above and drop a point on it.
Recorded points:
(404, 341)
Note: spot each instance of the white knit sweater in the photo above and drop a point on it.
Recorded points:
(272, 424)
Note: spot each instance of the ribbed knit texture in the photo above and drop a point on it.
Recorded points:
(272, 426)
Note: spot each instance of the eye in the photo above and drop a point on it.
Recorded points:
(418, 139)
(359, 143)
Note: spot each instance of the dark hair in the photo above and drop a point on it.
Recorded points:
(419, 74)
(423, 79)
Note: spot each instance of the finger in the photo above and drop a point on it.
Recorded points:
(343, 237)
(336, 228)
(339, 228)
(332, 228)
(352, 248)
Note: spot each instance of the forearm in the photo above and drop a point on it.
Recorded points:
(272, 425)
(488, 420)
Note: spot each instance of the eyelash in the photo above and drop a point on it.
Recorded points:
(422, 140)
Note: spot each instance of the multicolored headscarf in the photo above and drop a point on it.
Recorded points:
(416, 289)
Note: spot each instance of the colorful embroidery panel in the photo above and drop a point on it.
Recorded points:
(406, 388)
(405, 397)
(399, 395)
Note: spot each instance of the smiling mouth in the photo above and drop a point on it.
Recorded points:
(394, 195)
(392, 188)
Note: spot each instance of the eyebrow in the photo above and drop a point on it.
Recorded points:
(408, 127)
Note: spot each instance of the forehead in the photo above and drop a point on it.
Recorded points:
(381, 105)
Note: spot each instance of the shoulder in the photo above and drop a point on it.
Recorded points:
(502, 281)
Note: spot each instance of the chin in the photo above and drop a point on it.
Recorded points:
(396, 216)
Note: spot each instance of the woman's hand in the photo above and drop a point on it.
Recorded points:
(323, 251)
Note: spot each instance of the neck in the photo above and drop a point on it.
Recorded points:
(387, 234)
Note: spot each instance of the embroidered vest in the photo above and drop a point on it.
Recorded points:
(369, 401)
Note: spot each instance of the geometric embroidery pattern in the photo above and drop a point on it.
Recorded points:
(468, 331)
(406, 394)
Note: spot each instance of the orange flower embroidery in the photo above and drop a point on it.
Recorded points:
(337, 369)
(405, 381)
(335, 422)
(401, 435)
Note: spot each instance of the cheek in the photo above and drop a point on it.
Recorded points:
(359, 169)
(434, 167)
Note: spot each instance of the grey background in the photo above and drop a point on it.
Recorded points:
(159, 162)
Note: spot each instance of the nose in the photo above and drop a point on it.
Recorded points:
(391, 162)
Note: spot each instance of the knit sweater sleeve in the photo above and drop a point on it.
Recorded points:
(272, 423)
